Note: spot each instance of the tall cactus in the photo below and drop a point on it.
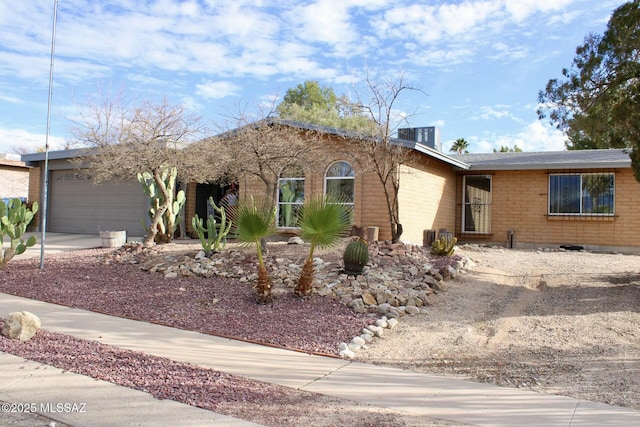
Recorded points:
(14, 219)
(216, 233)
(172, 207)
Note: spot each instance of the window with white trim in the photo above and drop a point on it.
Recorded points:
(339, 180)
(290, 195)
(476, 213)
(590, 194)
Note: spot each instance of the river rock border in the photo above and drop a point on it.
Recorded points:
(399, 279)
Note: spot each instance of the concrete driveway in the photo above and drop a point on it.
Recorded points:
(63, 242)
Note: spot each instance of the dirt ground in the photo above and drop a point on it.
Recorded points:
(565, 323)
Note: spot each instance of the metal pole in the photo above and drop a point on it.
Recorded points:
(46, 143)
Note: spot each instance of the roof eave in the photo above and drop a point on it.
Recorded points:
(55, 155)
(431, 152)
(547, 166)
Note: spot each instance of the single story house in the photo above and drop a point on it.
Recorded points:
(586, 198)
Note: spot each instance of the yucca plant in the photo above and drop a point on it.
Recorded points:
(323, 221)
(255, 221)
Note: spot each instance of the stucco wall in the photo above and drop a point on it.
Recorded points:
(519, 203)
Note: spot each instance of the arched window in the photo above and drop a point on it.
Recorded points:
(340, 181)
(290, 195)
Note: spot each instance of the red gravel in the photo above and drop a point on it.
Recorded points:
(80, 280)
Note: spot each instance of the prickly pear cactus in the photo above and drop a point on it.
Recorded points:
(356, 256)
(14, 219)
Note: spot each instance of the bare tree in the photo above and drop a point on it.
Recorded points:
(377, 150)
(127, 139)
(262, 146)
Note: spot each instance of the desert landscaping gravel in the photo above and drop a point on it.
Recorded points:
(555, 322)
(559, 322)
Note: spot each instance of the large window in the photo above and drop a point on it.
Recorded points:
(581, 194)
(476, 216)
(290, 195)
(340, 181)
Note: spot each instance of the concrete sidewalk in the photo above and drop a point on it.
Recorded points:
(420, 395)
(78, 400)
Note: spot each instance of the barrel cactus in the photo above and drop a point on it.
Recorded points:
(356, 256)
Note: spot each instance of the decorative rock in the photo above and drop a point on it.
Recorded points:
(343, 346)
(392, 314)
(357, 305)
(412, 309)
(368, 299)
(377, 330)
(21, 325)
(366, 331)
(384, 308)
(367, 338)
(347, 354)
(382, 323)
(356, 343)
(295, 240)
(398, 280)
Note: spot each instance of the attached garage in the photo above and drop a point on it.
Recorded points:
(76, 205)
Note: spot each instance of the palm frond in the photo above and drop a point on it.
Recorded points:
(254, 220)
(324, 220)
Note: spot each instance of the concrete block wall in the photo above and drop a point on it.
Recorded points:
(427, 198)
(520, 200)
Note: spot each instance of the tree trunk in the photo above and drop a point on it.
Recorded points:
(150, 238)
(305, 282)
(396, 232)
(263, 287)
(264, 247)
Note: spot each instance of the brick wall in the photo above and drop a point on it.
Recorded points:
(427, 198)
(519, 203)
(370, 205)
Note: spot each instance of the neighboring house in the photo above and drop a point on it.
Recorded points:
(14, 178)
(588, 198)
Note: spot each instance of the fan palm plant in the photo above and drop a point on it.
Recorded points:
(323, 221)
(255, 221)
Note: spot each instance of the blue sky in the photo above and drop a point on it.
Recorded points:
(481, 63)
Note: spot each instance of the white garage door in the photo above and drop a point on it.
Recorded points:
(76, 205)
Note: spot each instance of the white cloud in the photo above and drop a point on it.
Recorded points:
(324, 21)
(216, 90)
(428, 23)
(536, 136)
(522, 9)
(493, 112)
(20, 140)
